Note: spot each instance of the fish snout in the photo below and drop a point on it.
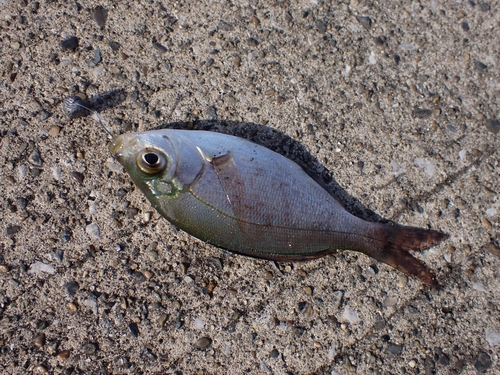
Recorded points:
(116, 146)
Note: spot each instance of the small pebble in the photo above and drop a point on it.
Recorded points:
(483, 362)
(402, 281)
(412, 363)
(480, 66)
(42, 369)
(365, 21)
(199, 323)
(12, 229)
(237, 61)
(99, 15)
(63, 354)
(148, 274)
(93, 231)
(70, 43)
(274, 353)
(35, 157)
(308, 290)
(134, 330)
(54, 131)
(77, 176)
(268, 275)
(422, 113)
(390, 301)
(395, 349)
(351, 316)
(97, 58)
(4, 268)
(493, 337)
(56, 173)
(301, 272)
(203, 343)
(71, 288)
(162, 319)
(72, 307)
(493, 126)
(39, 267)
(89, 348)
(39, 340)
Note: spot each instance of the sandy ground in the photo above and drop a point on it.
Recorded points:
(397, 101)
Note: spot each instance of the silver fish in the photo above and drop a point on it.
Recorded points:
(245, 198)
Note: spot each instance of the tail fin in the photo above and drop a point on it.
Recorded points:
(398, 242)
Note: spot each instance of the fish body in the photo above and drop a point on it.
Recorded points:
(245, 198)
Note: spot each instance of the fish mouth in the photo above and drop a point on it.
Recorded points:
(123, 146)
(116, 147)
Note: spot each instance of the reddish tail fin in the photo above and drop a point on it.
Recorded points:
(399, 241)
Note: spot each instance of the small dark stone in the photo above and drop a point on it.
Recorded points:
(69, 44)
(115, 46)
(380, 40)
(71, 288)
(97, 58)
(422, 113)
(150, 354)
(43, 115)
(12, 229)
(22, 203)
(203, 343)
(321, 26)
(42, 324)
(480, 66)
(483, 362)
(59, 255)
(274, 354)
(66, 235)
(465, 26)
(160, 47)
(493, 126)
(89, 348)
(35, 157)
(132, 212)
(77, 176)
(429, 366)
(395, 349)
(100, 16)
(139, 277)
(253, 42)
(225, 26)
(212, 113)
(444, 360)
(485, 7)
(35, 172)
(365, 21)
(134, 330)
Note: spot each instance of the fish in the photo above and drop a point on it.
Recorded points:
(243, 197)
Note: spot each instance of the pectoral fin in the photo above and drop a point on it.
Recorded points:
(233, 185)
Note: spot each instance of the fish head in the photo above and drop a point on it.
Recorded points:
(162, 163)
(150, 158)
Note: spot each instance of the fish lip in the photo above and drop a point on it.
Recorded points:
(116, 147)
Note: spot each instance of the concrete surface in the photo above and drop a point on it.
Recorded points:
(398, 101)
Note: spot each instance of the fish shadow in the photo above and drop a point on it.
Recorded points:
(288, 147)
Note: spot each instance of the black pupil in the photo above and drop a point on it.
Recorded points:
(151, 159)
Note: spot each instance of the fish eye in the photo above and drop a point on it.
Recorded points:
(151, 161)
